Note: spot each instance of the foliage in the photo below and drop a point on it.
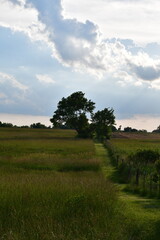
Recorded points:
(157, 130)
(102, 122)
(129, 129)
(134, 130)
(8, 125)
(137, 162)
(72, 112)
(37, 125)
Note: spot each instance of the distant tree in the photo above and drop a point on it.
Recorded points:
(157, 130)
(103, 122)
(143, 131)
(37, 125)
(72, 112)
(8, 125)
(129, 129)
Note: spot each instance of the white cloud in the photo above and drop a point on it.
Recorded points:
(79, 44)
(44, 78)
(22, 18)
(155, 84)
(127, 19)
(16, 16)
(12, 81)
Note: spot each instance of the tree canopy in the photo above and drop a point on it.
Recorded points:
(76, 112)
(102, 123)
(72, 112)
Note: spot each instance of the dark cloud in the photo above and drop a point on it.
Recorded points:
(147, 73)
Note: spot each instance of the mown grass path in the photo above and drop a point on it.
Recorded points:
(146, 212)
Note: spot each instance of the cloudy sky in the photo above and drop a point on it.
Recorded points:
(109, 49)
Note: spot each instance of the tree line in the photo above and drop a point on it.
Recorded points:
(33, 125)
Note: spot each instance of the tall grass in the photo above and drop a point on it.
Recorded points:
(52, 188)
(56, 206)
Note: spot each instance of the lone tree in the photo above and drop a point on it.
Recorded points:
(72, 112)
(103, 122)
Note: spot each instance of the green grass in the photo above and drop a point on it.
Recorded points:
(143, 214)
(52, 187)
(22, 133)
(127, 146)
(66, 205)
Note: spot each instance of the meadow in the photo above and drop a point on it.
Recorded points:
(56, 186)
(52, 187)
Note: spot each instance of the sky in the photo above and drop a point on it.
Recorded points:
(108, 49)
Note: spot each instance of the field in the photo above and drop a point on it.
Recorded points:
(56, 186)
(52, 187)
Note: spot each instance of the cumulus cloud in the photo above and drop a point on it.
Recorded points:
(44, 78)
(77, 44)
(131, 19)
(18, 16)
(74, 43)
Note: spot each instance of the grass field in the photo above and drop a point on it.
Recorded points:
(55, 186)
(52, 187)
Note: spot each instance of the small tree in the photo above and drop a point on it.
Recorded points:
(72, 113)
(102, 122)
